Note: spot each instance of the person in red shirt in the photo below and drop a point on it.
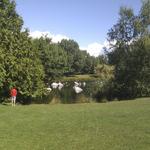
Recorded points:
(13, 94)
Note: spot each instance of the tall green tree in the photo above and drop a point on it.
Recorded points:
(130, 53)
(20, 65)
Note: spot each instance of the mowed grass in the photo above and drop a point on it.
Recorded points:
(106, 126)
(85, 77)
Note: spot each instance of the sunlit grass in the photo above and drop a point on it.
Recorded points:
(109, 126)
(85, 77)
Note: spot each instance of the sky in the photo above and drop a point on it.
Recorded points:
(85, 21)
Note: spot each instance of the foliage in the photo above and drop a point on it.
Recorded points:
(30, 63)
(27, 63)
(104, 71)
(54, 59)
(20, 66)
(145, 16)
(131, 53)
(80, 62)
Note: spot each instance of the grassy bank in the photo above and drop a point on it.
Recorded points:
(109, 126)
(85, 77)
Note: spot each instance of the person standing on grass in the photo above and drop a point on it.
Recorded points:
(13, 93)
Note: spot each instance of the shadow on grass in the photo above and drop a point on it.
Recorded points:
(6, 104)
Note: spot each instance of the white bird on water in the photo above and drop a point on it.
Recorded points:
(49, 89)
(77, 89)
(54, 85)
(60, 85)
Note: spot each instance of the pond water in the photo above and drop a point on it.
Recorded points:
(91, 91)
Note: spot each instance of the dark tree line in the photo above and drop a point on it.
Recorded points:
(64, 58)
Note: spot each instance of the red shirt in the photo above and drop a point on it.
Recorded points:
(13, 92)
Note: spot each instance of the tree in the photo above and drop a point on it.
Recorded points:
(20, 65)
(79, 62)
(54, 58)
(125, 30)
(71, 47)
(130, 53)
(145, 16)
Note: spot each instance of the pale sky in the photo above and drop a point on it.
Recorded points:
(85, 21)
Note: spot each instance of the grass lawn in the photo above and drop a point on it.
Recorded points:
(85, 77)
(106, 126)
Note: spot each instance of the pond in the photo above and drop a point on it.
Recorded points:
(76, 92)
